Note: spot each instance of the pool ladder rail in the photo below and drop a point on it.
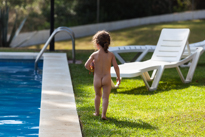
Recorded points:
(59, 29)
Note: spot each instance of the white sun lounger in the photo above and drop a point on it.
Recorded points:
(142, 50)
(167, 54)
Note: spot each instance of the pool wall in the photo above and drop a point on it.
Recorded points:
(58, 115)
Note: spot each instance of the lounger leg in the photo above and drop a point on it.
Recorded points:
(191, 71)
(145, 81)
(153, 74)
(144, 53)
(180, 74)
(192, 67)
(119, 58)
(157, 78)
(147, 76)
(136, 56)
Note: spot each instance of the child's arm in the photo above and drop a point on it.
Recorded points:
(88, 62)
(117, 70)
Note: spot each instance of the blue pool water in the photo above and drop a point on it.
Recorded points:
(20, 95)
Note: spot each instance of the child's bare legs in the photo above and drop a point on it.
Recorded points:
(106, 82)
(98, 95)
(105, 98)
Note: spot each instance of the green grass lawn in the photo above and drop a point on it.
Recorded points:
(174, 109)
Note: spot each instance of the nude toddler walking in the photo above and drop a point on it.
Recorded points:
(102, 60)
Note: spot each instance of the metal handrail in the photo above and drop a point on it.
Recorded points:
(68, 30)
(59, 29)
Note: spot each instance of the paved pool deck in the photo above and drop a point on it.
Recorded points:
(58, 115)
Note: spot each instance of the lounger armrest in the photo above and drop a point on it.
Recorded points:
(199, 50)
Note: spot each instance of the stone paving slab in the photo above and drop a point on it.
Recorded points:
(58, 116)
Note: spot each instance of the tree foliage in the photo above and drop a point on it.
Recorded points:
(4, 23)
(118, 10)
(80, 12)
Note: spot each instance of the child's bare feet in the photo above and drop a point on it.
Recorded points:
(95, 114)
(104, 118)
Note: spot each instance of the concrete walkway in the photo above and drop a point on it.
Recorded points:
(58, 116)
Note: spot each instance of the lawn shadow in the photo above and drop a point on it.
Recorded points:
(135, 124)
(112, 126)
(162, 87)
(86, 117)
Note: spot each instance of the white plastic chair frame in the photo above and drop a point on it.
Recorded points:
(142, 51)
(131, 48)
(166, 55)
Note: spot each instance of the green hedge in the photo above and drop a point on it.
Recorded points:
(80, 12)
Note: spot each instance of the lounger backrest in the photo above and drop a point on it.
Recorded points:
(171, 45)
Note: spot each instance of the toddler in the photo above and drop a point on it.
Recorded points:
(101, 61)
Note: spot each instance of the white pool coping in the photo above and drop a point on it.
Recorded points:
(58, 114)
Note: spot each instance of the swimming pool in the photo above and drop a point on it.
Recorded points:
(20, 96)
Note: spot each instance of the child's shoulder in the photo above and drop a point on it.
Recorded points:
(94, 53)
(110, 53)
